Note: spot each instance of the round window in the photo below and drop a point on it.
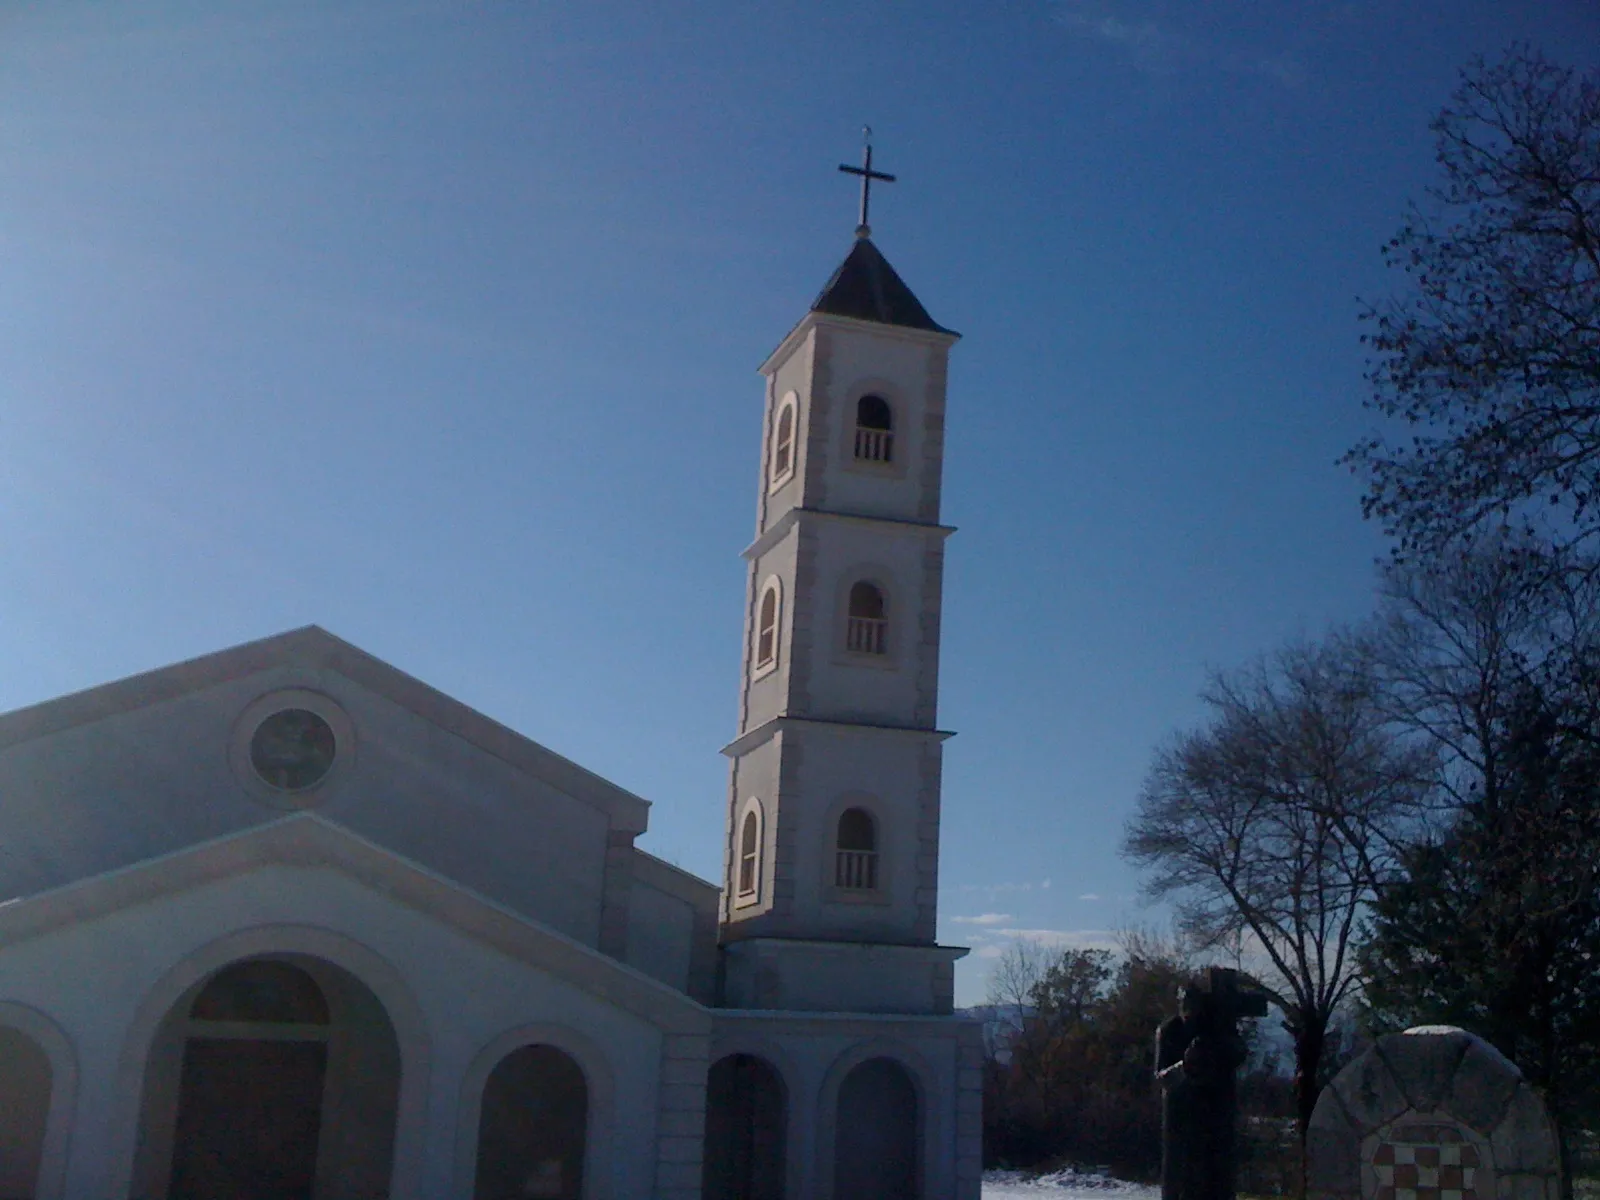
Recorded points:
(292, 749)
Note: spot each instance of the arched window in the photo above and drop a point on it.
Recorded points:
(746, 1119)
(750, 854)
(783, 443)
(856, 854)
(767, 626)
(867, 630)
(874, 430)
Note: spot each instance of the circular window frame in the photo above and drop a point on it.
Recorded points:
(244, 732)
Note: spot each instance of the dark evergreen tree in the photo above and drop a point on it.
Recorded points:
(1496, 925)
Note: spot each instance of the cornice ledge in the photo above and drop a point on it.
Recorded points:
(779, 529)
(752, 738)
(841, 945)
(811, 320)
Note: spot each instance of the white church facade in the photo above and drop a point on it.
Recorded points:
(284, 923)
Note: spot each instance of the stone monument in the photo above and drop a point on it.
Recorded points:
(1434, 1113)
(1197, 1054)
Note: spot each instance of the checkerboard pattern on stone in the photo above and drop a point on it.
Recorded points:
(1426, 1162)
(1434, 1113)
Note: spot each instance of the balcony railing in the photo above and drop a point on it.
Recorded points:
(856, 870)
(874, 445)
(867, 635)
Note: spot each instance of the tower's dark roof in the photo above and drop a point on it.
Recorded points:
(867, 288)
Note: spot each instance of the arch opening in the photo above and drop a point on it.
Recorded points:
(26, 1083)
(783, 444)
(877, 1134)
(767, 627)
(746, 1130)
(750, 854)
(867, 627)
(856, 851)
(533, 1127)
(874, 430)
(276, 1078)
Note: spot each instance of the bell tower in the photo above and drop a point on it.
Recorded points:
(829, 900)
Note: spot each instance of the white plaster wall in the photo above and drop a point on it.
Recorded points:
(842, 686)
(840, 768)
(92, 978)
(887, 362)
(142, 783)
(807, 976)
(434, 798)
(660, 934)
(99, 796)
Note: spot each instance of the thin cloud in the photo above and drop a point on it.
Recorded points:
(995, 940)
(1149, 44)
(983, 919)
(1090, 896)
(995, 889)
(1163, 47)
(1062, 939)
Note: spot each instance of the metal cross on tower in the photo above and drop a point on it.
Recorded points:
(867, 176)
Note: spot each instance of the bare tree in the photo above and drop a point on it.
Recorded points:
(1277, 822)
(1012, 980)
(1491, 353)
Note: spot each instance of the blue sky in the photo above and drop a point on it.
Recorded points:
(436, 324)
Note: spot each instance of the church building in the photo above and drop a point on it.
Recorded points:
(284, 923)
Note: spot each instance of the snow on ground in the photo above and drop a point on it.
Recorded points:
(1063, 1185)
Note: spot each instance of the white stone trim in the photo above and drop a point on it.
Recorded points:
(681, 1116)
(276, 700)
(772, 585)
(752, 807)
(790, 404)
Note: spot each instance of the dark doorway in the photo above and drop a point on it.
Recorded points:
(277, 1078)
(532, 1127)
(249, 1118)
(875, 1134)
(746, 1119)
(25, 1082)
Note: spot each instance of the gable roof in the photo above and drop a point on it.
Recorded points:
(867, 288)
(312, 646)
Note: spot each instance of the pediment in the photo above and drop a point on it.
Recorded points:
(315, 648)
(306, 840)
(145, 767)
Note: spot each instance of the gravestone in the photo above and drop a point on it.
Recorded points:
(1434, 1113)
